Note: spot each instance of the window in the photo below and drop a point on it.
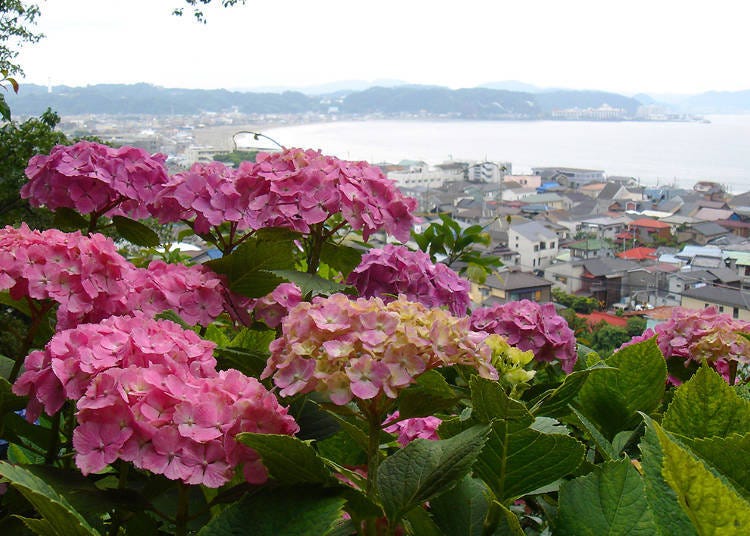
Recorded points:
(735, 312)
(552, 245)
(542, 245)
(536, 247)
(721, 308)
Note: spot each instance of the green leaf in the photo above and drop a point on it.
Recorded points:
(706, 406)
(340, 257)
(279, 512)
(613, 399)
(418, 521)
(516, 459)
(67, 218)
(248, 267)
(712, 506)
(311, 284)
(289, 460)
(135, 232)
(728, 456)
(556, 402)
(462, 510)
(610, 500)
(4, 108)
(39, 526)
(662, 499)
(51, 506)
(604, 447)
(19, 305)
(8, 401)
(508, 524)
(424, 469)
(248, 362)
(429, 394)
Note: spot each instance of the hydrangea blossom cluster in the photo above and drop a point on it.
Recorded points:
(272, 308)
(148, 392)
(194, 292)
(698, 336)
(91, 280)
(365, 348)
(293, 189)
(90, 177)
(394, 270)
(84, 274)
(530, 326)
(410, 429)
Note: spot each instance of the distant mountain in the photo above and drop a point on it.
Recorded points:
(470, 103)
(342, 86)
(719, 102)
(512, 85)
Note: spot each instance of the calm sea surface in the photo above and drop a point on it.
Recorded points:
(655, 152)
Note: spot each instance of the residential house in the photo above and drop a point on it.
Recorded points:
(730, 301)
(739, 261)
(570, 177)
(604, 226)
(525, 181)
(648, 231)
(649, 284)
(592, 189)
(552, 201)
(511, 285)
(589, 248)
(536, 245)
(702, 233)
(605, 278)
(640, 255)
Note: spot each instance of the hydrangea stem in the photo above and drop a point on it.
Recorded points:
(183, 502)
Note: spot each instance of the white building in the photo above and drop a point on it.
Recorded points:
(536, 245)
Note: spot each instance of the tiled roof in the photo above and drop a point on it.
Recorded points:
(638, 254)
(651, 224)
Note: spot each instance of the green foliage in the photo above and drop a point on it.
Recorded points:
(18, 143)
(425, 469)
(458, 246)
(580, 304)
(612, 399)
(605, 338)
(705, 407)
(197, 10)
(279, 512)
(609, 500)
(17, 19)
(635, 325)
(235, 158)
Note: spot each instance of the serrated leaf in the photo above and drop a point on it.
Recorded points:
(289, 460)
(604, 447)
(50, 505)
(728, 456)
(430, 393)
(610, 500)
(556, 402)
(662, 499)
(314, 423)
(135, 232)
(279, 512)
(706, 406)
(248, 267)
(424, 469)
(516, 459)
(712, 506)
(462, 510)
(311, 284)
(612, 400)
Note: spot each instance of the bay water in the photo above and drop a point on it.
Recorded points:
(681, 153)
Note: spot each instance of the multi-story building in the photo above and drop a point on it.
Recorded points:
(536, 245)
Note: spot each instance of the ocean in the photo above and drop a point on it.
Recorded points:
(680, 153)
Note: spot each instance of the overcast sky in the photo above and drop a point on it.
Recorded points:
(655, 46)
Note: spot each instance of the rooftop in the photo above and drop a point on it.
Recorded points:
(649, 223)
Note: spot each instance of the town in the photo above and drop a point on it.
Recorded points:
(634, 248)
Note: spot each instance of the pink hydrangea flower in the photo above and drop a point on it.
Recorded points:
(410, 429)
(90, 177)
(394, 270)
(530, 326)
(90, 280)
(366, 348)
(294, 189)
(272, 308)
(148, 392)
(697, 336)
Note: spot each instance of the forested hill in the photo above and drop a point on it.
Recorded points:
(474, 103)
